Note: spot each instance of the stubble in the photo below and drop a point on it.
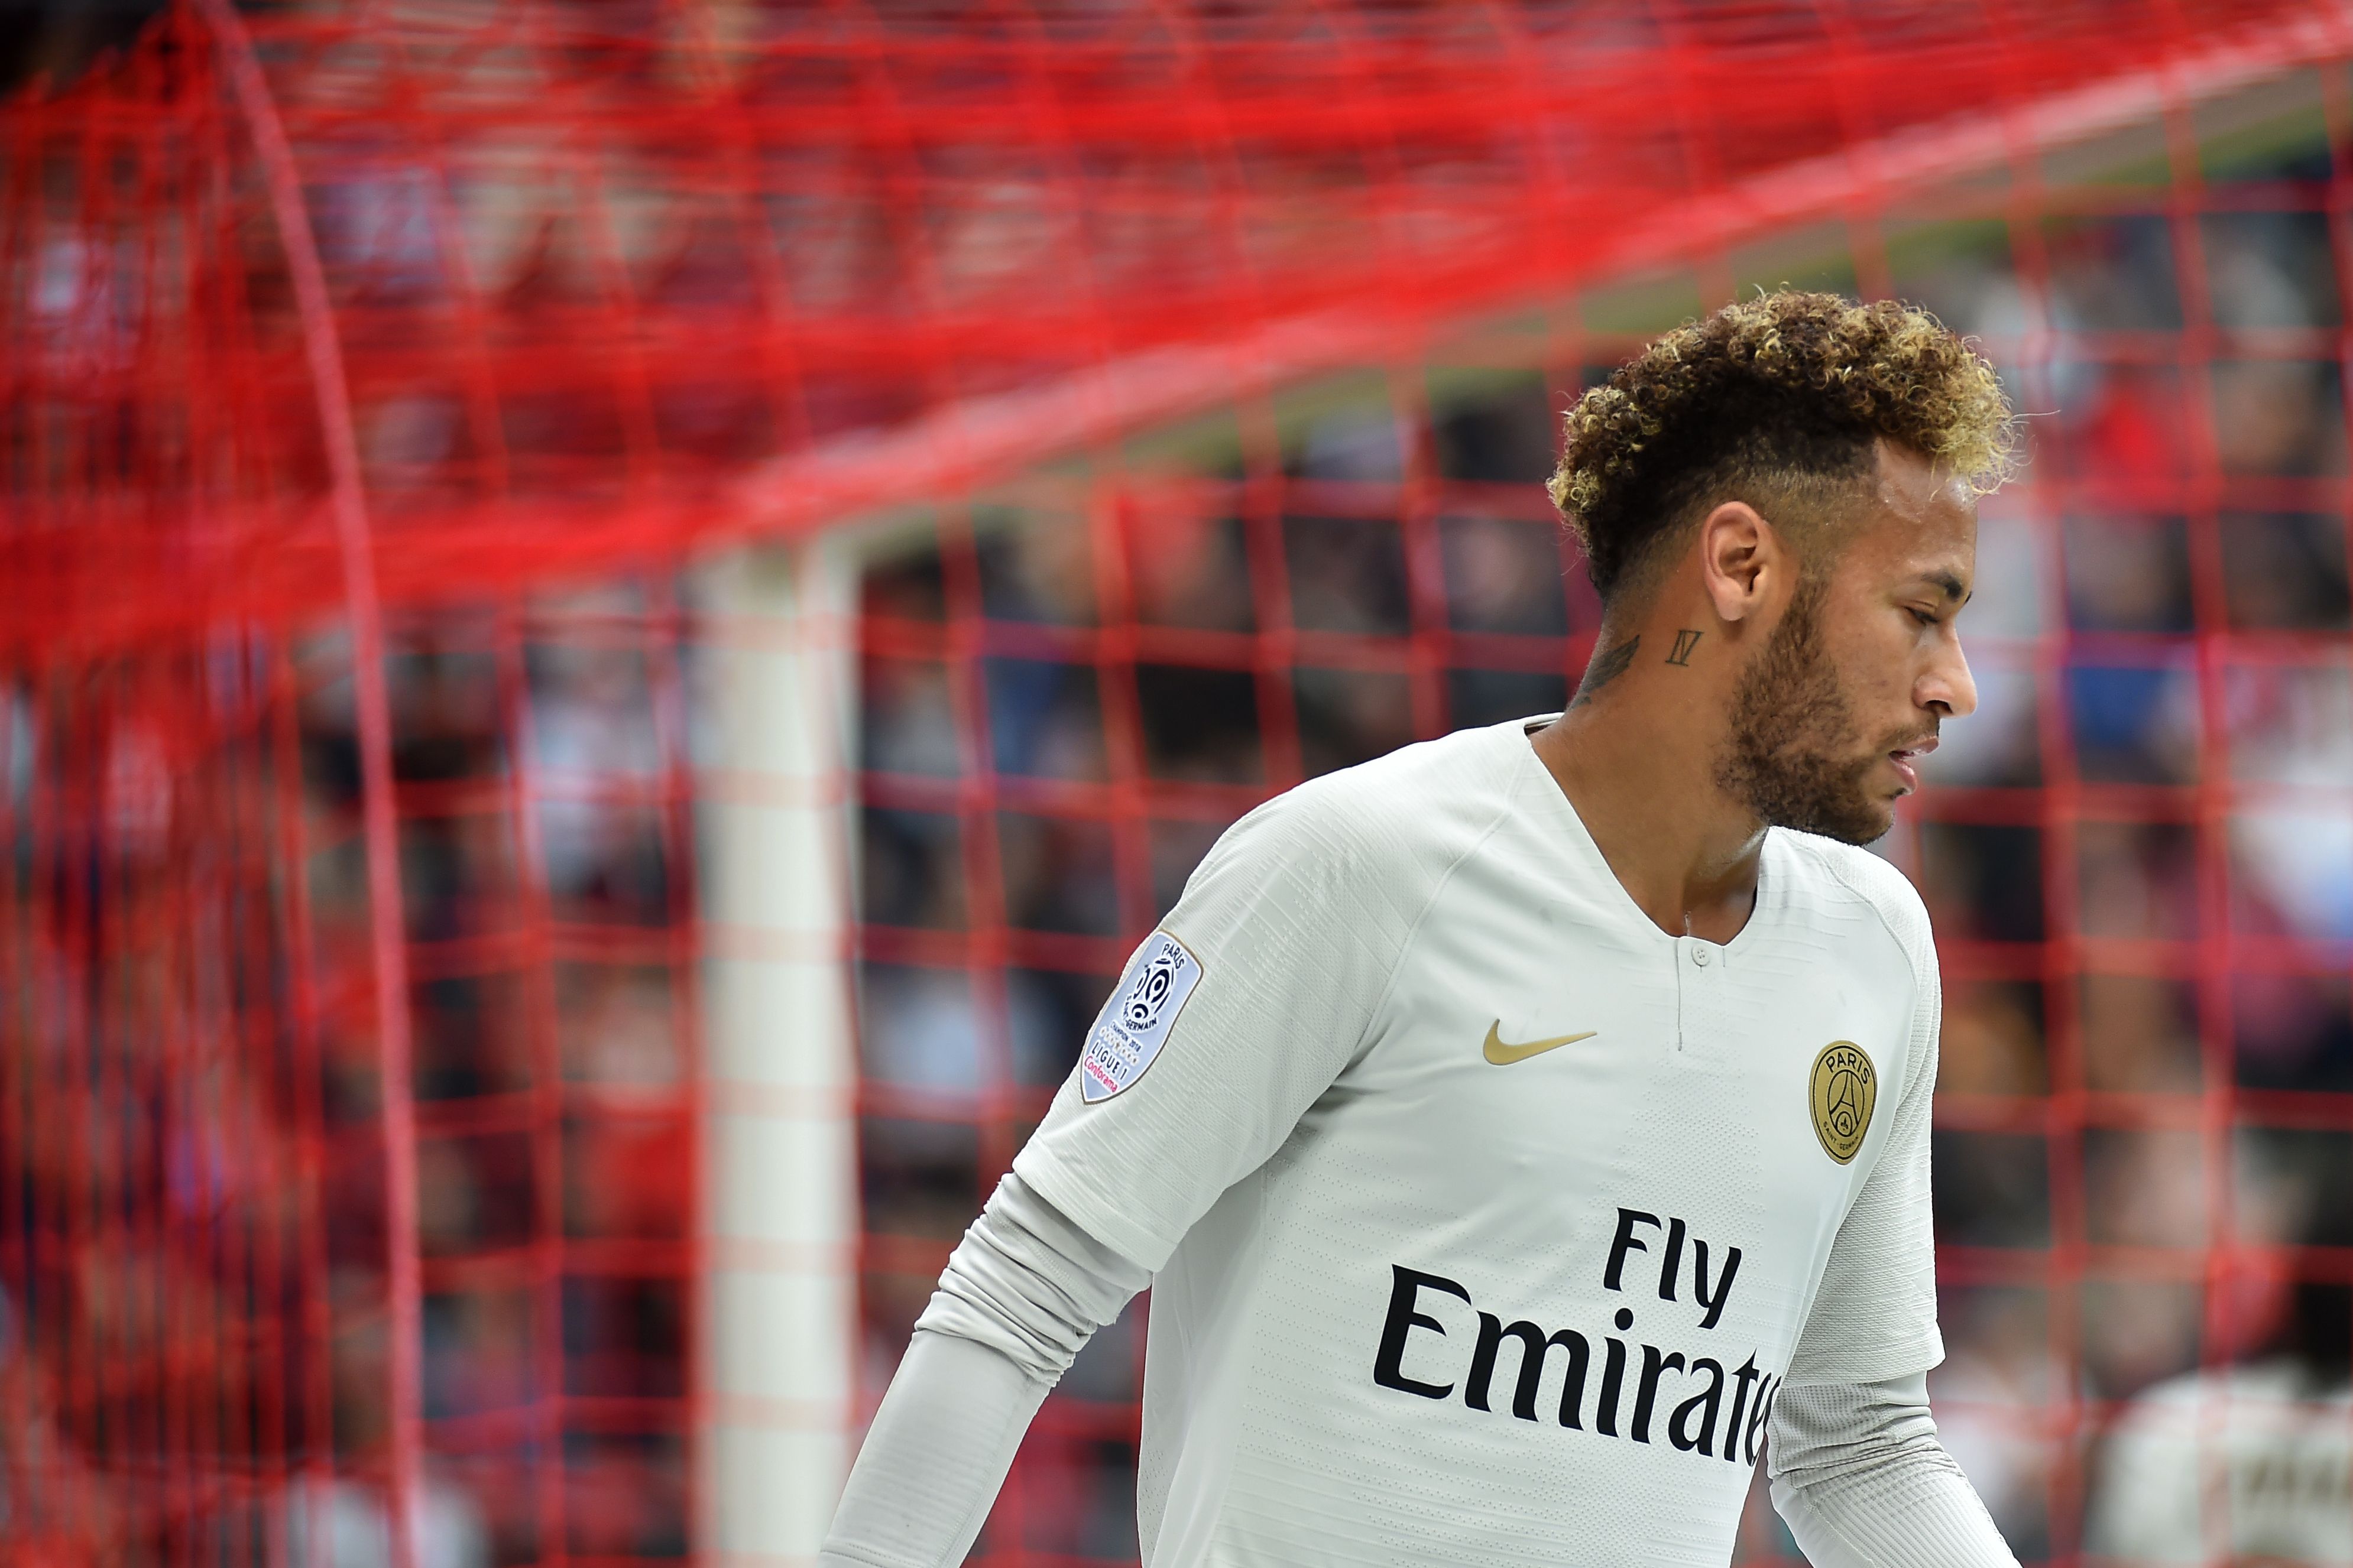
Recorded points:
(1787, 756)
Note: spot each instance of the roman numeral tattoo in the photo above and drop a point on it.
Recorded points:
(1684, 642)
(1605, 668)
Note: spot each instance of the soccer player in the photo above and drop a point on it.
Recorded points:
(1517, 1129)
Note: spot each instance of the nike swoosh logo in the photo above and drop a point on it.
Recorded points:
(1503, 1056)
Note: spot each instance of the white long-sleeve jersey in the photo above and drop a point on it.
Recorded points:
(1487, 1221)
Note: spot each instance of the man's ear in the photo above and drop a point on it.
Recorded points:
(1740, 558)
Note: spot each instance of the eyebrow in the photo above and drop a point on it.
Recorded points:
(1953, 588)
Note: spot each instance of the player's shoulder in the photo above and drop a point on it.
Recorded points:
(1417, 808)
(1366, 846)
(1416, 792)
(1830, 877)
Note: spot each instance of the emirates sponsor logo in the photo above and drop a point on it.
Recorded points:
(1599, 1383)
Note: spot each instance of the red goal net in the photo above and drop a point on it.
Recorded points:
(612, 619)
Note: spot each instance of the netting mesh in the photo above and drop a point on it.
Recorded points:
(1176, 385)
(202, 1256)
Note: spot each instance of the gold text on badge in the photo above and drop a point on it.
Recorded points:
(1841, 1091)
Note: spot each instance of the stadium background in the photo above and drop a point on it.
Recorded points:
(612, 616)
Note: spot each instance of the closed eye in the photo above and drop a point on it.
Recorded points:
(1925, 617)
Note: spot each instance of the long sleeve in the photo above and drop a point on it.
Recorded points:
(1862, 1481)
(1229, 1022)
(1022, 1294)
(1874, 1315)
(939, 1448)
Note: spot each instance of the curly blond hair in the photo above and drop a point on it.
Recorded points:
(1766, 401)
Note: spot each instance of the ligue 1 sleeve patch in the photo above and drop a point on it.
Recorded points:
(1129, 1031)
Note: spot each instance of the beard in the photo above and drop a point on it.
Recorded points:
(1791, 756)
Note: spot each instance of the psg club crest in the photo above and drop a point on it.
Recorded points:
(1842, 1091)
(1129, 1031)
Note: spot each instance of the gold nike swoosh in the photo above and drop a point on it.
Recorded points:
(1503, 1056)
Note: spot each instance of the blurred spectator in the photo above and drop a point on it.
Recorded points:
(1188, 567)
(343, 1524)
(1036, 565)
(618, 1029)
(920, 1030)
(1992, 1396)
(1503, 575)
(2292, 726)
(1347, 574)
(1347, 717)
(2283, 571)
(1992, 1041)
(1045, 719)
(2250, 1462)
(2269, 268)
(906, 723)
(1361, 442)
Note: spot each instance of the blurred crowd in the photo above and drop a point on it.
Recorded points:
(193, 1271)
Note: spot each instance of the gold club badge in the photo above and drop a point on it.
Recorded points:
(1842, 1091)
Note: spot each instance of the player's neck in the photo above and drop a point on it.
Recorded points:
(1641, 775)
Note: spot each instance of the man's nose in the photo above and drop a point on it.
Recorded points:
(1948, 687)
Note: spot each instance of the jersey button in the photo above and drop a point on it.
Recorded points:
(1699, 955)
